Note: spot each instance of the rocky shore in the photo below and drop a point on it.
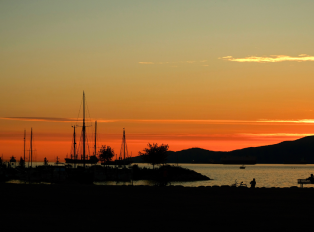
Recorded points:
(168, 173)
(64, 174)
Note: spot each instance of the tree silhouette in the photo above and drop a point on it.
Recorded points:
(106, 153)
(154, 154)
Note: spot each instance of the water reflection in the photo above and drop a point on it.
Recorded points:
(266, 175)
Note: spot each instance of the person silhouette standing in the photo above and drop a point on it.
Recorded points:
(253, 183)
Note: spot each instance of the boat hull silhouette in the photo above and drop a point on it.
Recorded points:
(91, 160)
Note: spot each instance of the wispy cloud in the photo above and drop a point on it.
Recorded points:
(145, 137)
(270, 59)
(50, 119)
(299, 121)
(174, 62)
(146, 62)
(165, 121)
(275, 135)
(41, 119)
(191, 121)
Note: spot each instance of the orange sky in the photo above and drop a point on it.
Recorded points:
(53, 138)
(220, 75)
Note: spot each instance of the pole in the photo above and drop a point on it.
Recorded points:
(124, 147)
(24, 145)
(83, 129)
(74, 146)
(31, 147)
(29, 173)
(24, 153)
(95, 137)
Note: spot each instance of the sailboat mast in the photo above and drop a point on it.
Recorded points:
(24, 145)
(74, 144)
(83, 129)
(124, 147)
(31, 148)
(95, 137)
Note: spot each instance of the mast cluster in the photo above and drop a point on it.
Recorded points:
(30, 154)
(124, 150)
(84, 159)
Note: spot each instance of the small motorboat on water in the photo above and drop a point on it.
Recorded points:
(242, 167)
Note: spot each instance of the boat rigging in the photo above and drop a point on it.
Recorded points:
(84, 158)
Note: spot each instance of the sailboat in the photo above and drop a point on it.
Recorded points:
(124, 158)
(84, 158)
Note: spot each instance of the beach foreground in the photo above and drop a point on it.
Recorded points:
(81, 207)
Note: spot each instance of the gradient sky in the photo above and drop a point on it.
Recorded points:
(220, 75)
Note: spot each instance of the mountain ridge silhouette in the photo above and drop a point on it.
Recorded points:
(287, 152)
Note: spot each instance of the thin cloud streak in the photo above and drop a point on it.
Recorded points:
(261, 121)
(177, 62)
(300, 121)
(51, 119)
(164, 121)
(275, 135)
(270, 59)
(146, 62)
(145, 137)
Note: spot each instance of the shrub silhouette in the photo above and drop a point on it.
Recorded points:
(154, 154)
(106, 153)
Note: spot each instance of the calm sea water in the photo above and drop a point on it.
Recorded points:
(266, 175)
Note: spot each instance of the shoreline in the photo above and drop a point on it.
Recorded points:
(129, 184)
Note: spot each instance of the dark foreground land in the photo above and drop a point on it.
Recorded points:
(117, 208)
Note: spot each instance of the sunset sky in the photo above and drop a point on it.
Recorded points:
(220, 75)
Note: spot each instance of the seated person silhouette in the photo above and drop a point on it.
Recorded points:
(311, 178)
(253, 183)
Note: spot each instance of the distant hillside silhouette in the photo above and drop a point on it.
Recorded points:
(297, 151)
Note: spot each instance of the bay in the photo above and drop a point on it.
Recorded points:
(266, 175)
